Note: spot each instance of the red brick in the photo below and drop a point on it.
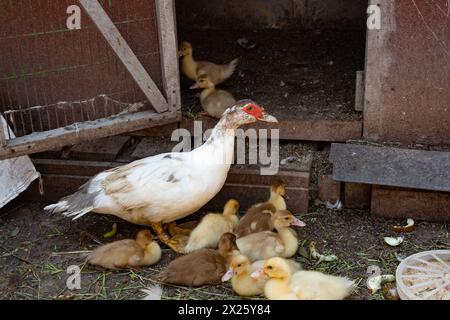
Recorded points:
(329, 189)
(407, 203)
(358, 196)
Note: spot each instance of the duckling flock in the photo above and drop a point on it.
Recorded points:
(253, 251)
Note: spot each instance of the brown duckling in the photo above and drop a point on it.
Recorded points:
(258, 217)
(201, 267)
(214, 101)
(207, 234)
(267, 244)
(142, 252)
(192, 69)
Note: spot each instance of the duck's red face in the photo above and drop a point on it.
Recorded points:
(253, 110)
(258, 113)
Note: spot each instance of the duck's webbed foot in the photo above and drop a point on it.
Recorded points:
(183, 229)
(174, 243)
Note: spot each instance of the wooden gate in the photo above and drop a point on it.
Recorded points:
(117, 73)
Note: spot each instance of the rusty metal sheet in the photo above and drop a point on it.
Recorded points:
(428, 170)
(408, 73)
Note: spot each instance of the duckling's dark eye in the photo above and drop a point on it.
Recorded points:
(270, 267)
(239, 265)
(287, 218)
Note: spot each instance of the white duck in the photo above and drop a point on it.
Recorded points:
(166, 187)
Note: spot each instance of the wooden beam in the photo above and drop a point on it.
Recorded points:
(112, 35)
(165, 13)
(395, 167)
(79, 132)
(359, 92)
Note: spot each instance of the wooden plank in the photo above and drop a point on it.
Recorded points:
(329, 189)
(112, 35)
(359, 91)
(248, 194)
(152, 146)
(429, 170)
(357, 196)
(62, 178)
(73, 167)
(298, 129)
(293, 178)
(76, 133)
(165, 13)
(105, 149)
(407, 203)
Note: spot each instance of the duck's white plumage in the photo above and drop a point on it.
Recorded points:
(158, 189)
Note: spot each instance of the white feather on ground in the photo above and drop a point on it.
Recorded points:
(153, 293)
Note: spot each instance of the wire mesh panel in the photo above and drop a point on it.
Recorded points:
(52, 77)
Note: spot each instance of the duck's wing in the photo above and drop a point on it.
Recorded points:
(144, 182)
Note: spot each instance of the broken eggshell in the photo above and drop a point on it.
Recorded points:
(374, 283)
(394, 242)
(410, 227)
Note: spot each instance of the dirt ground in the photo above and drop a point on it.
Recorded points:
(36, 249)
(292, 73)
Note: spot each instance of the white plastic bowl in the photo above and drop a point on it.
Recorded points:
(425, 276)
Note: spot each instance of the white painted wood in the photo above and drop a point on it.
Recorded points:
(2, 133)
(112, 35)
(84, 131)
(165, 13)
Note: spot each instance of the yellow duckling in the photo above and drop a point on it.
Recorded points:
(240, 273)
(267, 244)
(214, 101)
(207, 234)
(258, 217)
(301, 285)
(192, 69)
(129, 253)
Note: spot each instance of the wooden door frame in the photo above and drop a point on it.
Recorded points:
(167, 105)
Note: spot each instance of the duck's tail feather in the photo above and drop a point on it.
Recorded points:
(75, 205)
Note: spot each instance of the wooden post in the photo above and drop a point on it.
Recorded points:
(165, 12)
(112, 35)
(359, 92)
